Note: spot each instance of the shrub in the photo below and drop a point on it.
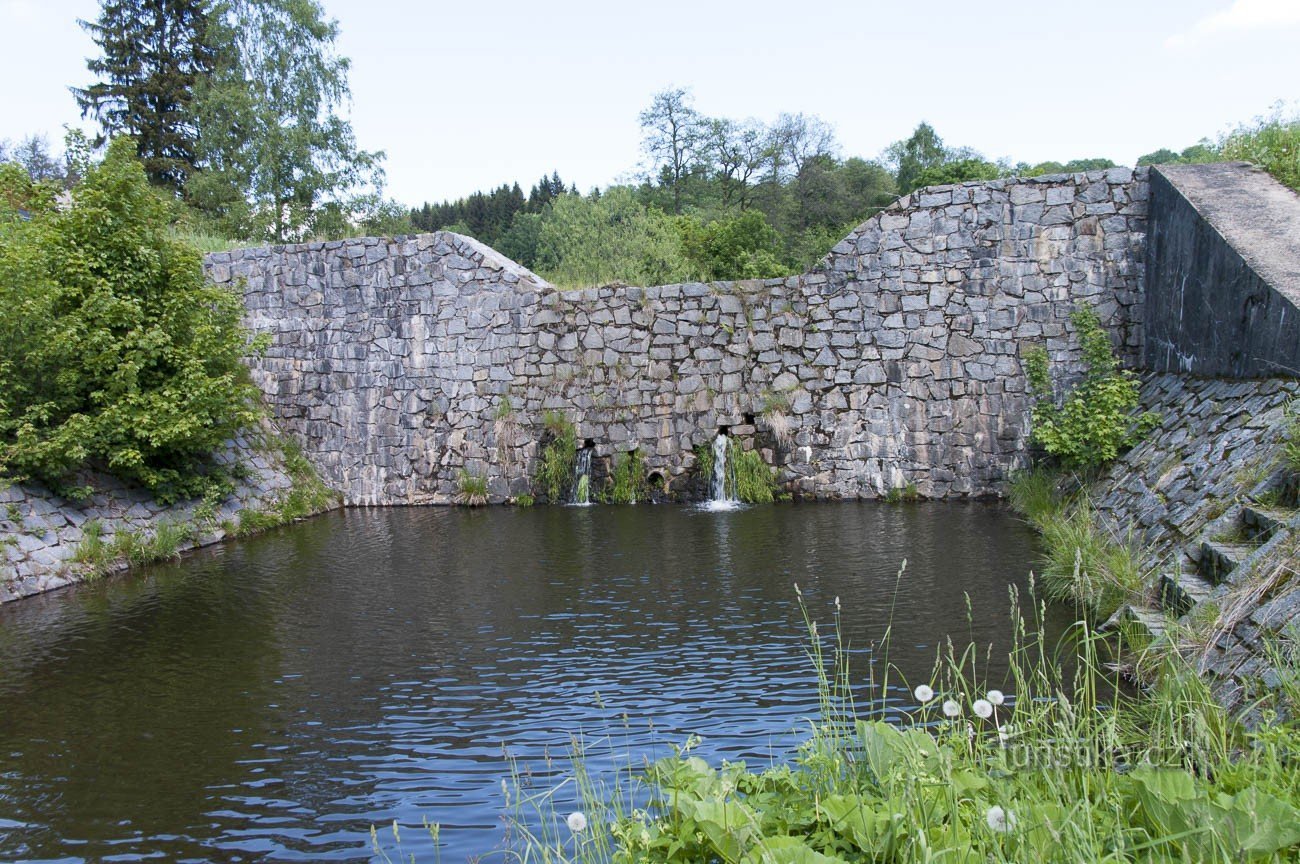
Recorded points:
(1094, 421)
(118, 354)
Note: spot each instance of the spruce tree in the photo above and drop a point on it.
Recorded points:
(154, 51)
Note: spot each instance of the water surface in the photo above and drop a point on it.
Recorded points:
(271, 698)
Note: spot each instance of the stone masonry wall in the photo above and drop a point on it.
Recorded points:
(402, 362)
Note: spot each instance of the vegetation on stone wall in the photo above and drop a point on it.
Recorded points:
(119, 356)
(627, 481)
(1093, 421)
(559, 453)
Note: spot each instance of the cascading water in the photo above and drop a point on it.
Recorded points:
(582, 476)
(724, 472)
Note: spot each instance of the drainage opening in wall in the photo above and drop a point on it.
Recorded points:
(749, 419)
(588, 444)
(724, 430)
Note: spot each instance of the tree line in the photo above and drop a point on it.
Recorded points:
(716, 198)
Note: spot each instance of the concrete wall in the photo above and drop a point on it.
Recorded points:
(1223, 273)
(896, 362)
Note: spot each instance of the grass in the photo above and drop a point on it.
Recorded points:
(471, 489)
(96, 556)
(902, 494)
(755, 482)
(555, 467)
(1291, 437)
(306, 497)
(627, 481)
(1082, 563)
(1063, 767)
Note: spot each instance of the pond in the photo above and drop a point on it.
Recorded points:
(271, 698)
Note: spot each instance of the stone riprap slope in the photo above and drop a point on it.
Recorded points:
(42, 534)
(402, 362)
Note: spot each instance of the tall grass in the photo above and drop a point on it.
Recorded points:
(1063, 767)
(1082, 564)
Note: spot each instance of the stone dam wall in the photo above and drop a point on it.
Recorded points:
(400, 363)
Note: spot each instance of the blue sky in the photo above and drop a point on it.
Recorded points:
(468, 95)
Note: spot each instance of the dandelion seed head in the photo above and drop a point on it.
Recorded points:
(923, 693)
(576, 821)
(951, 708)
(1000, 820)
(983, 708)
(996, 697)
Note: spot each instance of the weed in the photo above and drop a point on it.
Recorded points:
(627, 481)
(471, 489)
(902, 494)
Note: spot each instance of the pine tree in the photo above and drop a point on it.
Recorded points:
(154, 52)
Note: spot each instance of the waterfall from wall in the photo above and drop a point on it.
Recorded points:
(582, 476)
(723, 488)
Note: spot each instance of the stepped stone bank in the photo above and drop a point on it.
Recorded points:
(399, 363)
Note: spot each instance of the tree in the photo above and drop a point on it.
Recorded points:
(924, 149)
(738, 150)
(957, 171)
(154, 53)
(273, 145)
(119, 354)
(673, 135)
(581, 241)
(737, 247)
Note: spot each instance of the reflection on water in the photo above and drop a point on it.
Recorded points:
(272, 698)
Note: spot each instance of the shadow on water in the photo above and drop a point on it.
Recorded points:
(270, 699)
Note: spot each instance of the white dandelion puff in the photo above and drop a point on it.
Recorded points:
(577, 821)
(983, 708)
(996, 697)
(952, 708)
(1000, 820)
(923, 693)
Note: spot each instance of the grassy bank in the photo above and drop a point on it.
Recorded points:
(1051, 764)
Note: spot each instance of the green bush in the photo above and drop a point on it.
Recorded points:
(1095, 420)
(471, 489)
(118, 354)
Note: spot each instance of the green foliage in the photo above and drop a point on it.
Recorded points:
(594, 241)
(1094, 421)
(471, 489)
(903, 494)
(308, 496)
(704, 462)
(153, 55)
(524, 500)
(119, 355)
(1035, 494)
(1201, 152)
(627, 481)
(958, 171)
(555, 467)
(130, 548)
(755, 481)
(736, 247)
(1064, 768)
(1074, 166)
(273, 146)
(1272, 143)
(1083, 565)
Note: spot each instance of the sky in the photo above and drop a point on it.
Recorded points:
(472, 94)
